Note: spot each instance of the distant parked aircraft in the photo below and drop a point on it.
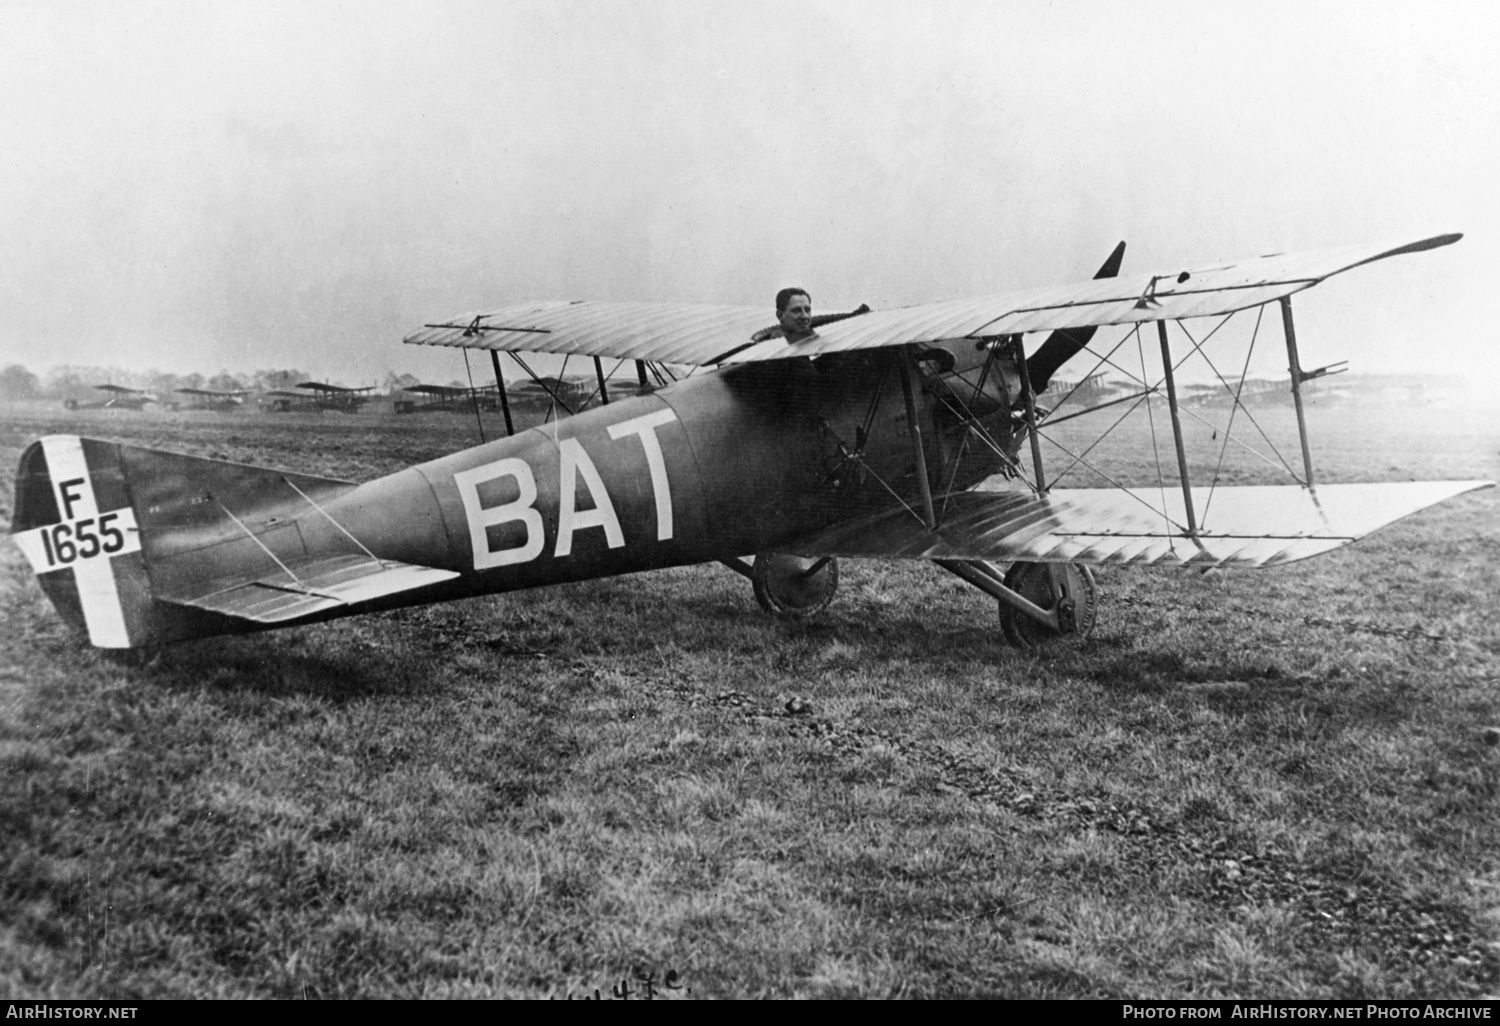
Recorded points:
(220, 401)
(319, 397)
(120, 398)
(448, 399)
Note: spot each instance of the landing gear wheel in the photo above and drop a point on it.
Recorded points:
(794, 586)
(1033, 583)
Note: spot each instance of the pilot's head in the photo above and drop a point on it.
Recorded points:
(794, 311)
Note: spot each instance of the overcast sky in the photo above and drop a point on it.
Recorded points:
(205, 186)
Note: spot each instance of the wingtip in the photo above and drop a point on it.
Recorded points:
(1435, 242)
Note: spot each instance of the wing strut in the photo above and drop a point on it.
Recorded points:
(603, 390)
(1295, 367)
(1182, 467)
(1028, 396)
(510, 428)
(914, 428)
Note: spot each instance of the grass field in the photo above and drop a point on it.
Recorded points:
(1267, 784)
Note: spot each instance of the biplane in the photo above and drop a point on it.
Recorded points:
(210, 399)
(119, 398)
(911, 433)
(318, 398)
(1092, 388)
(447, 399)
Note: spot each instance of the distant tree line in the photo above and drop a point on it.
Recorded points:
(16, 382)
(76, 381)
(396, 382)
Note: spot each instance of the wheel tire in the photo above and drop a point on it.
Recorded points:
(783, 589)
(1030, 581)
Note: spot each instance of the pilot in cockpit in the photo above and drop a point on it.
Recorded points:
(794, 311)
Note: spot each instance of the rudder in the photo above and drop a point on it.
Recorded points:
(112, 530)
(75, 523)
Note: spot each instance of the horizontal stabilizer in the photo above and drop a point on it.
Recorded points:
(1240, 526)
(313, 586)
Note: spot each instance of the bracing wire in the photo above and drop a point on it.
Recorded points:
(1151, 421)
(1279, 462)
(1121, 485)
(473, 396)
(329, 517)
(1235, 395)
(1213, 484)
(1080, 459)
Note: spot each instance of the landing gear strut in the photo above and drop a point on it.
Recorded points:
(1074, 602)
(1039, 602)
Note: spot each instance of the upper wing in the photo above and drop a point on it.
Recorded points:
(660, 332)
(1245, 527)
(707, 335)
(444, 390)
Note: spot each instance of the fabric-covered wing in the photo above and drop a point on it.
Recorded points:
(707, 335)
(1244, 526)
(660, 332)
(1128, 299)
(322, 583)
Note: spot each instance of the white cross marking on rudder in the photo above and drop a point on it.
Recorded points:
(93, 570)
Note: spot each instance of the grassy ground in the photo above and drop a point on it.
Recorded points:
(1268, 784)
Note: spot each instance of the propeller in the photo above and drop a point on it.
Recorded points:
(1061, 346)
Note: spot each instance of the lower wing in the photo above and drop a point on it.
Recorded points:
(1241, 526)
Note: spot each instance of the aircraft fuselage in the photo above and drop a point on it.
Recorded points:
(714, 466)
(737, 462)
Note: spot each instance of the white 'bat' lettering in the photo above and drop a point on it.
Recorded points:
(519, 509)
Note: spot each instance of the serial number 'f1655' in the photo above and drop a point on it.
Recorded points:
(574, 464)
(61, 545)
